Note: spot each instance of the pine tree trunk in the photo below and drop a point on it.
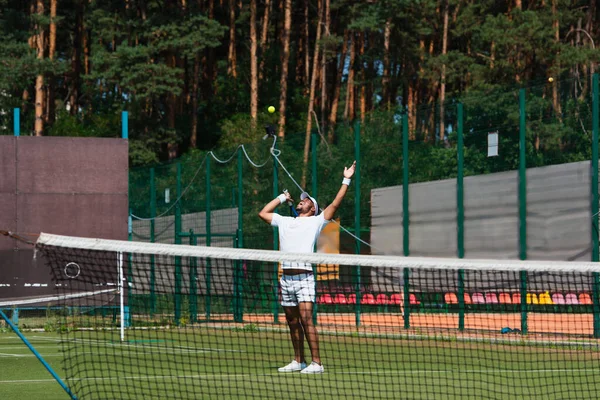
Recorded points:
(306, 44)
(195, 88)
(442, 126)
(39, 82)
(285, 60)
(385, 79)
(324, 68)
(337, 88)
(76, 58)
(363, 84)
(50, 106)
(311, 100)
(556, 29)
(253, 65)
(232, 54)
(349, 108)
(263, 39)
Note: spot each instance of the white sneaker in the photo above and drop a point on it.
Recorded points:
(313, 368)
(293, 367)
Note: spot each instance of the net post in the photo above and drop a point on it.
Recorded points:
(460, 216)
(405, 217)
(313, 150)
(594, 230)
(17, 121)
(275, 304)
(237, 278)
(37, 355)
(193, 275)
(121, 298)
(208, 276)
(152, 240)
(523, 207)
(357, 217)
(177, 288)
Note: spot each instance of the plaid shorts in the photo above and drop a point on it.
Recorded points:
(297, 289)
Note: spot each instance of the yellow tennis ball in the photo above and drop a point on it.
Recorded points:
(271, 109)
(551, 79)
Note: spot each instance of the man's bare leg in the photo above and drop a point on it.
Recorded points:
(292, 316)
(310, 330)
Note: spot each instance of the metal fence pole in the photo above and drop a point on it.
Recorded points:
(357, 218)
(460, 216)
(405, 219)
(595, 255)
(523, 206)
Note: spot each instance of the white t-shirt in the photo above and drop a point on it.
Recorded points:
(298, 235)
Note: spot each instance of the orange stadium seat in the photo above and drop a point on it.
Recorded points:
(585, 298)
(450, 298)
(505, 298)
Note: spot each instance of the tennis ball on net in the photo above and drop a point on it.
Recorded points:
(271, 109)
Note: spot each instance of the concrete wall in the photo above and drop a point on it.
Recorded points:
(69, 186)
(558, 222)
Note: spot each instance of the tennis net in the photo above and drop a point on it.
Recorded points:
(199, 322)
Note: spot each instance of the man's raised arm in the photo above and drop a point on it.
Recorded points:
(266, 214)
(332, 208)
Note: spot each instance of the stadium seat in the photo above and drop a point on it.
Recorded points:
(532, 298)
(478, 298)
(382, 299)
(505, 298)
(558, 298)
(544, 298)
(491, 298)
(450, 298)
(340, 298)
(368, 299)
(396, 299)
(516, 298)
(571, 298)
(413, 299)
(352, 298)
(585, 298)
(467, 298)
(325, 299)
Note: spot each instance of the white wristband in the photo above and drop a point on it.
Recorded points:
(282, 199)
(346, 181)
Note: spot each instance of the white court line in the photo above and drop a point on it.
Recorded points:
(399, 372)
(145, 347)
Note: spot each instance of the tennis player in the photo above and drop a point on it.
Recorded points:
(299, 235)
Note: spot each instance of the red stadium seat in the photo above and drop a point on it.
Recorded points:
(413, 299)
(352, 298)
(340, 298)
(368, 299)
(505, 298)
(325, 299)
(382, 299)
(396, 299)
